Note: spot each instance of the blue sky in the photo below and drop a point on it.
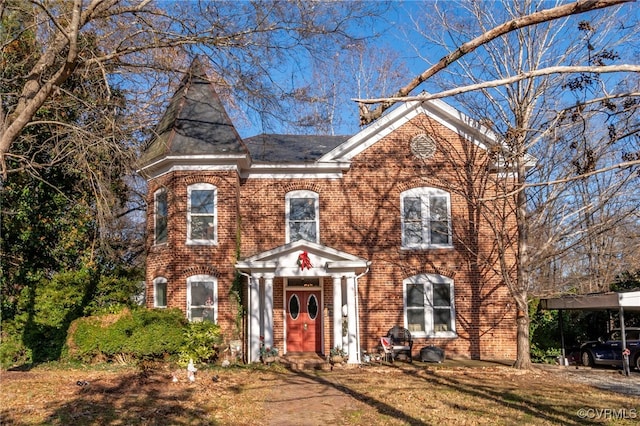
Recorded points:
(401, 37)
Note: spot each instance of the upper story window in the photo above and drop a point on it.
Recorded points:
(426, 218)
(202, 298)
(302, 213)
(202, 220)
(429, 307)
(160, 217)
(160, 292)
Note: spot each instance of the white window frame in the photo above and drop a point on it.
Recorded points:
(214, 302)
(424, 194)
(156, 203)
(156, 282)
(190, 215)
(302, 194)
(427, 281)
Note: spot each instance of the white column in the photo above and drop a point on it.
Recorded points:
(267, 313)
(337, 312)
(351, 317)
(254, 319)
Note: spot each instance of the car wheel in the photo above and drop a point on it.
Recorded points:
(587, 359)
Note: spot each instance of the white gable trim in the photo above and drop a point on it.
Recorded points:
(317, 170)
(282, 261)
(435, 109)
(196, 163)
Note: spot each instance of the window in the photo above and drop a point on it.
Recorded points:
(294, 306)
(202, 298)
(201, 216)
(426, 218)
(312, 307)
(302, 213)
(161, 215)
(160, 293)
(429, 307)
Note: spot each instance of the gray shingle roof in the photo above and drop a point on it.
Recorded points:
(195, 122)
(269, 148)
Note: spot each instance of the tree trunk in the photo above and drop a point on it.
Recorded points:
(521, 295)
(523, 356)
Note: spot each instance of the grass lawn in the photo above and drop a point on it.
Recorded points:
(398, 394)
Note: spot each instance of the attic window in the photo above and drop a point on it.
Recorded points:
(423, 146)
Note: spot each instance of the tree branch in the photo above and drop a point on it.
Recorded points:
(581, 6)
(509, 80)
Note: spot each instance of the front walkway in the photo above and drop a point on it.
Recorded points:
(304, 398)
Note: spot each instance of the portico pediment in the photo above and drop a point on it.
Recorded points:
(284, 261)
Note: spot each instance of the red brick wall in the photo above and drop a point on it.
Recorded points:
(359, 214)
(176, 261)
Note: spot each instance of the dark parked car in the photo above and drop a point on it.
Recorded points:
(608, 349)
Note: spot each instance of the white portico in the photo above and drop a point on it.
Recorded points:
(307, 273)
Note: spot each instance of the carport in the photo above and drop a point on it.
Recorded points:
(624, 301)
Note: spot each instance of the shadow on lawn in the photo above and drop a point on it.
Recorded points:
(132, 400)
(530, 405)
(380, 406)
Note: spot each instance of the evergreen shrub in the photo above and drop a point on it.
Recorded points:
(127, 336)
(201, 343)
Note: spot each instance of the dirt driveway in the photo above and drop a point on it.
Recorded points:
(611, 379)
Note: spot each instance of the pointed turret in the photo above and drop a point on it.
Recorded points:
(194, 124)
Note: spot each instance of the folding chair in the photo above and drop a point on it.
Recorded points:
(387, 348)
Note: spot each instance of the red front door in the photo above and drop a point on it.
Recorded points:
(304, 321)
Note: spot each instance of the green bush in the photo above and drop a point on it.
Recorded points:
(201, 343)
(130, 335)
(156, 333)
(13, 352)
(50, 310)
(115, 291)
(544, 333)
(37, 329)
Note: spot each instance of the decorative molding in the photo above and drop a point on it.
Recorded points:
(423, 146)
(200, 270)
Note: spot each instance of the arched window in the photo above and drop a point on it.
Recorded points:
(426, 218)
(302, 216)
(161, 214)
(160, 292)
(429, 306)
(202, 218)
(202, 298)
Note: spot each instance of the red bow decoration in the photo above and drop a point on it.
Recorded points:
(303, 261)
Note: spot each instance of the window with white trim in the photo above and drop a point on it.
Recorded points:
(426, 218)
(302, 212)
(429, 306)
(202, 220)
(160, 292)
(202, 298)
(161, 215)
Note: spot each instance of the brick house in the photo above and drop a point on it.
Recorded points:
(328, 240)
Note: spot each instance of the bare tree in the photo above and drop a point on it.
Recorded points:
(245, 41)
(577, 189)
(361, 71)
(521, 21)
(139, 48)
